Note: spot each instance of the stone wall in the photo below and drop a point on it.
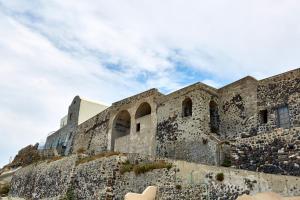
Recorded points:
(237, 112)
(101, 179)
(280, 90)
(235, 181)
(44, 180)
(134, 141)
(61, 139)
(137, 97)
(92, 135)
(276, 152)
(238, 108)
(186, 137)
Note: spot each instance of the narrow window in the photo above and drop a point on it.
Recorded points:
(283, 117)
(187, 107)
(214, 117)
(263, 116)
(138, 127)
(70, 117)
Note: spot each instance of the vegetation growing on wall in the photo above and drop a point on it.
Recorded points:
(91, 158)
(144, 167)
(226, 162)
(81, 150)
(178, 187)
(126, 167)
(55, 158)
(4, 190)
(69, 194)
(220, 177)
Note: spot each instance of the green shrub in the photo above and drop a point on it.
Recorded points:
(226, 162)
(145, 167)
(178, 187)
(126, 167)
(69, 194)
(91, 158)
(220, 177)
(4, 190)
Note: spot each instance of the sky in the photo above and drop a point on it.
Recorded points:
(51, 51)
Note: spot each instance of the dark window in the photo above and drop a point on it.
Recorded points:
(214, 117)
(70, 116)
(138, 127)
(263, 116)
(187, 107)
(283, 117)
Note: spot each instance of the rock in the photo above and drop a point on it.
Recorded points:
(281, 151)
(292, 156)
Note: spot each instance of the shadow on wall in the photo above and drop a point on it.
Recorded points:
(121, 126)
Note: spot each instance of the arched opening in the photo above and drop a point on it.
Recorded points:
(143, 110)
(121, 126)
(187, 107)
(214, 117)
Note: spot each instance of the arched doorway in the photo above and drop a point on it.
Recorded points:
(121, 126)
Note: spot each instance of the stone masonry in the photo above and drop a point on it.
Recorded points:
(250, 126)
(198, 123)
(102, 179)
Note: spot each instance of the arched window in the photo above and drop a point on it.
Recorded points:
(121, 126)
(143, 110)
(214, 117)
(187, 107)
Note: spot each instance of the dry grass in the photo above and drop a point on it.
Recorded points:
(81, 150)
(95, 157)
(55, 158)
(145, 167)
(4, 190)
(126, 167)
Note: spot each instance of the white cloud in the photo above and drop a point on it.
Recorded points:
(51, 51)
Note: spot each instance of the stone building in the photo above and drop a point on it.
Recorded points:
(79, 111)
(197, 123)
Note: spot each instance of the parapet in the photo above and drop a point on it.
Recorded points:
(134, 98)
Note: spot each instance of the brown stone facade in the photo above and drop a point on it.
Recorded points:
(199, 122)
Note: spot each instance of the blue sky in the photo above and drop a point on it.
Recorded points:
(51, 51)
